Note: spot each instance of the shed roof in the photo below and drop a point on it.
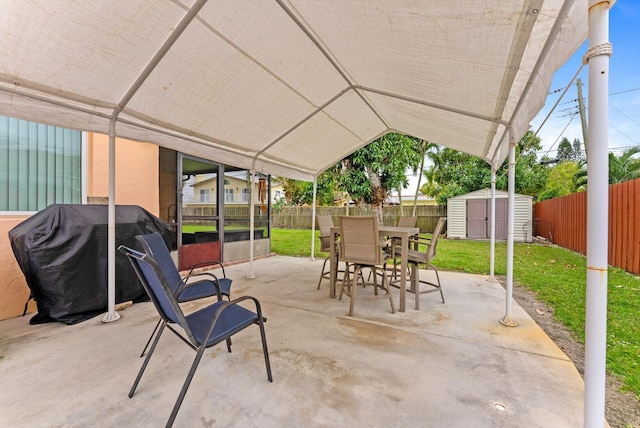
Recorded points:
(486, 193)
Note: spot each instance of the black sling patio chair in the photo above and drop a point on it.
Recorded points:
(208, 286)
(204, 328)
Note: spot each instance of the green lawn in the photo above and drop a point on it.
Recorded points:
(558, 276)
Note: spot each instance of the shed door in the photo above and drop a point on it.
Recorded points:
(477, 218)
(501, 218)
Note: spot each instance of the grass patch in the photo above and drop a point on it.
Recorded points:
(557, 275)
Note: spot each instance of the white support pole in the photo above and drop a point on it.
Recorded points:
(507, 320)
(111, 314)
(252, 216)
(597, 215)
(492, 260)
(191, 14)
(313, 219)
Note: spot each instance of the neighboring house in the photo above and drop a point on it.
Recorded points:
(42, 165)
(235, 190)
(407, 200)
(468, 216)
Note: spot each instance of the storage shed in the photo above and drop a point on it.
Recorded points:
(468, 216)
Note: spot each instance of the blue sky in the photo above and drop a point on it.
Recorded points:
(624, 87)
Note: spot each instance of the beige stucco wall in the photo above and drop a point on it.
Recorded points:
(13, 287)
(136, 184)
(136, 172)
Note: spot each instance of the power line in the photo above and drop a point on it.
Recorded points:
(624, 92)
(611, 93)
(561, 133)
(623, 133)
(622, 113)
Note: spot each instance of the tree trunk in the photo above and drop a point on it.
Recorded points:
(378, 194)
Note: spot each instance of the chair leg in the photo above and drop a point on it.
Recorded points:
(150, 338)
(344, 279)
(323, 272)
(263, 336)
(439, 284)
(385, 284)
(187, 382)
(146, 360)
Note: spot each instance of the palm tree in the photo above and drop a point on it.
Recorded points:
(624, 167)
(621, 168)
(425, 148)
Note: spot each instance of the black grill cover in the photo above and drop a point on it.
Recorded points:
(62, 251)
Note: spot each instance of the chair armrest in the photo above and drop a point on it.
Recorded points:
(183, 284)
(208, 263)
(420, 240)
(413, 242)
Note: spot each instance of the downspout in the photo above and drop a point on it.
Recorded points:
(507, 320)
(313, 218)
(492, 226)
(597, 215)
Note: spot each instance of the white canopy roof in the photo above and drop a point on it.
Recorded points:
(295, 85)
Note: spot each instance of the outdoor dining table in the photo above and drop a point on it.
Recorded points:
(402, 233)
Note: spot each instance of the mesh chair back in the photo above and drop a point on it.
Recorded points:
(154, 245)
(359, 240)
(325, 223)
(407, 221)
(431, 249)
(155, 285)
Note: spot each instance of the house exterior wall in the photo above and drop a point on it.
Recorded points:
(13, 287)
(137, 166)
(136, 184)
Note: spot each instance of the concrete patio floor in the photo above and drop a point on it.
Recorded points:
(445, 365)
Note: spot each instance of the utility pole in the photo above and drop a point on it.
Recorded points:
(583, 117)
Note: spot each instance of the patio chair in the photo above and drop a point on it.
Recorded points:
(407, 221)
(208, 286)
(204, 328)
(325, 223)
(360, 247)
(403, 221)
(416, 257)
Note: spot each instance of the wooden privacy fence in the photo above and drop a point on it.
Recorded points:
(564, 221)
(301, 217)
